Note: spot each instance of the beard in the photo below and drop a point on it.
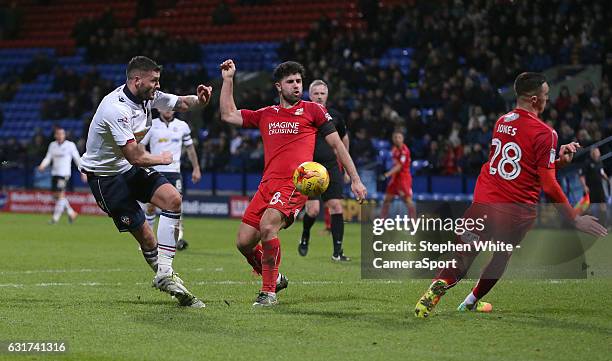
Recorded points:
(290, 97)
(146, 94)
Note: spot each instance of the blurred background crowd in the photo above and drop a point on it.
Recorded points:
(460, 60)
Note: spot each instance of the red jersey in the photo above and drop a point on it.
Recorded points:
(521, 144)
(401, 156)
(288, 135)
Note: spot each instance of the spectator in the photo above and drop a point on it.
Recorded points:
(222, 15)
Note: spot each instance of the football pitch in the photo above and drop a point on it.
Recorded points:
(88, 286)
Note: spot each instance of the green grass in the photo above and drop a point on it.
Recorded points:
(88, 285)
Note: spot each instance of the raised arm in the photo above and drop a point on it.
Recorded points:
(186, 102)
(229, 113)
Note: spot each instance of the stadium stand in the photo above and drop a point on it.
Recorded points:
(438, 71)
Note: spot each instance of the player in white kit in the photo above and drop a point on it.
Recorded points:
(118, 172)
(60, 154)
(172, 135)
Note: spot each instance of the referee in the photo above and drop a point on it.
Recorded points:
(592, 176)
(325, 155)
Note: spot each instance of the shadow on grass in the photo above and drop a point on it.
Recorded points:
(546, 323)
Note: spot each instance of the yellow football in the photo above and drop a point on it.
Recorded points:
(311, 179)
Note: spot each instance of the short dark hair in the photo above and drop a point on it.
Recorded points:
(528, 84)
(288, 68)
(141, 63)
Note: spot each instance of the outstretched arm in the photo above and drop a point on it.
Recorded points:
(229, 113)
(566, 154)
(186, 102)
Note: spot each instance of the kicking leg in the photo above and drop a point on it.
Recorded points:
(150, 214)
(169, 200)
(492, 272)
(148, 245)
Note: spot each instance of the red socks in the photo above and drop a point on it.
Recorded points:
(253, 256)
(270, 262)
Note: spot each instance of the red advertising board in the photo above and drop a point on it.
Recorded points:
(238, 204)
(27, 201)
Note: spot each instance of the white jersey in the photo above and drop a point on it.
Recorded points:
(120, 117)
(168, 137)
(61, 157)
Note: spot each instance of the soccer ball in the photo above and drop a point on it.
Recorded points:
(311, 179)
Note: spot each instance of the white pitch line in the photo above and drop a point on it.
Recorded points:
(81, 270)
(199, 283)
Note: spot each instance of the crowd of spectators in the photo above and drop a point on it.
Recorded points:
(464, 51)
(106, 43)
(446, 100)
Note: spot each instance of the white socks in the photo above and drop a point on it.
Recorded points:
(470, 299)
(62, 205)
(167, 235)
(58, 210)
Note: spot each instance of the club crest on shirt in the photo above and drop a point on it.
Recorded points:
(124, 121)
(510, 117)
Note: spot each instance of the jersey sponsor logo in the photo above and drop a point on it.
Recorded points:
(283, 128)
(510, 117)
(299, 111)
(276, 199)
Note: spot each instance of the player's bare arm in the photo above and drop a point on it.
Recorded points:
(186, 102)
(138, 156)
(357, 187)
(229, 113)
(196, 174)
(566, 154)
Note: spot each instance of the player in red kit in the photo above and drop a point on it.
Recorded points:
(288, 132)
(401, 180)
(521, 163)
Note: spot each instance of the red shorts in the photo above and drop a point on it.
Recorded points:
(506, 223)
(400, 186)
(278, 194)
